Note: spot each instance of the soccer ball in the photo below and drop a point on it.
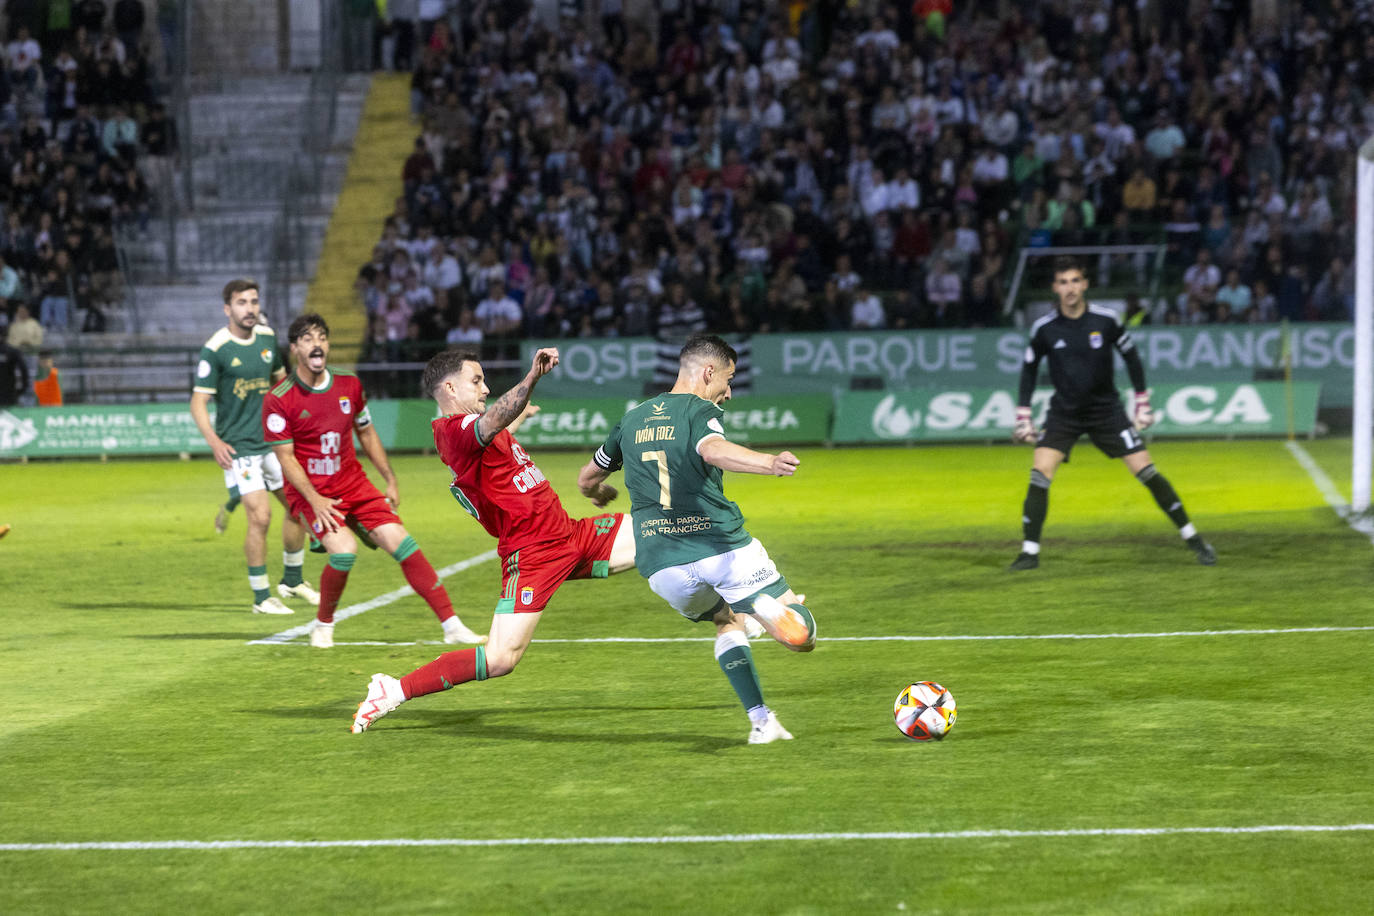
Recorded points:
(923, 711)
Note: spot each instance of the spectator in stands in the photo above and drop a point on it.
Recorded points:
(129, 18)
(1333, 299)
(23, 59)
(14, 374)
(866, 313)
(25, 333)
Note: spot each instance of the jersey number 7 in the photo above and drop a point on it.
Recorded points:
(665, 498)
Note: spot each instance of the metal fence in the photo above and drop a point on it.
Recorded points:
(248, 181)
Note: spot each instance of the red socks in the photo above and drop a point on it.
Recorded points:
(331, 587)
(422, 577)
(448, 670)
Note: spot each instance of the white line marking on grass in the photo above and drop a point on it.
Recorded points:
(1277, 631)
(1363, 524)
(734, 838)
(353, 610)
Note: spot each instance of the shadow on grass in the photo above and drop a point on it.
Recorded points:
(235, 637)
(469, 724)
(142, 606)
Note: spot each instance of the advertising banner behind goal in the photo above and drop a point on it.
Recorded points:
(937, 414)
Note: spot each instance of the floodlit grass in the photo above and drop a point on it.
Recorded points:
(136, 710)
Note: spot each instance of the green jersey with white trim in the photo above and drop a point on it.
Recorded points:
(677, 500)
(236, 374)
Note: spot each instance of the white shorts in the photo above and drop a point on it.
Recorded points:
(694, 589)
(251, 473)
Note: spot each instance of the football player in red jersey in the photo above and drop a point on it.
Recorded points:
(309, 420)
(539, 545)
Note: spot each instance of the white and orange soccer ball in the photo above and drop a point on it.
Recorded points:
(924, 711)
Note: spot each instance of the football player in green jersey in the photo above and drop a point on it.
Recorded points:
(690, 541)
(236, 367)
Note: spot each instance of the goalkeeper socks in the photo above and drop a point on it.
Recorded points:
(1164, 494)
(737, 663)
(446, 671)
(1036, 506)
(257, 581)
(291, 566)
(422, 577)
(332, 580)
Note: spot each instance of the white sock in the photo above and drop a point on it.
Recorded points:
(758, 715)
(1187, 531)
(729, 640)
(1030, 547)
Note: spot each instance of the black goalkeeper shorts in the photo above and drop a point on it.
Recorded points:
(1108, 427)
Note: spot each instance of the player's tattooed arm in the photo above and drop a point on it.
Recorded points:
(512, 404)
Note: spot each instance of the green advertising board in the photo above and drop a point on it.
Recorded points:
(403, 425)
(585, 422)
(825, 363)
(936, 414)
(56, 432)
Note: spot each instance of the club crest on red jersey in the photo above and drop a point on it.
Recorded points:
(526, 595)
(346, 405)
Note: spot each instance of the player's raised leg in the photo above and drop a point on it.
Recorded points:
(506, 644)
(395, 540)
(1143, 468)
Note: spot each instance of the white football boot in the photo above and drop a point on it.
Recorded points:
(322, 635)
(455, 631)
(302, 591)
(271, 605)
(771, 730)
(384, 693)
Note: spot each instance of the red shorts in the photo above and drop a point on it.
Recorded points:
(363, 506)
(531, 575)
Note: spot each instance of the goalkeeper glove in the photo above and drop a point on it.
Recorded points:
(1024, 430)
(1144, 414)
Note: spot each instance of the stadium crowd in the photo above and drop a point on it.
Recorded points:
(754, 167)
(78, 116)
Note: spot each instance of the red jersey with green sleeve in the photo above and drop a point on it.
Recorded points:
(499, 485)
(319, 423)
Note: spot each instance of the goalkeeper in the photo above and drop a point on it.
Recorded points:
(1078, 338)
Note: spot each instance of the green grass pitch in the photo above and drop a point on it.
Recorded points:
(135, 709)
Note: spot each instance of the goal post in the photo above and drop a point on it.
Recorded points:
(1362, 417)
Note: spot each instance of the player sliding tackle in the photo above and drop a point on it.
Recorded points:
(1078, 339)
(690, 540)
(540, 547)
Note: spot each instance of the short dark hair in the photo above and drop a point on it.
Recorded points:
(239, 285)
(441, 366)
(303, 323)
(708, 346)
(1069, 262)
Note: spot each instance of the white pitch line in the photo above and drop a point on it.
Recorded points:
(1363, 524)
(1277, 631)
(353, 610)
(732, 838)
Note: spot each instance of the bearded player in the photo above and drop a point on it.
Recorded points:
(309, 420)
